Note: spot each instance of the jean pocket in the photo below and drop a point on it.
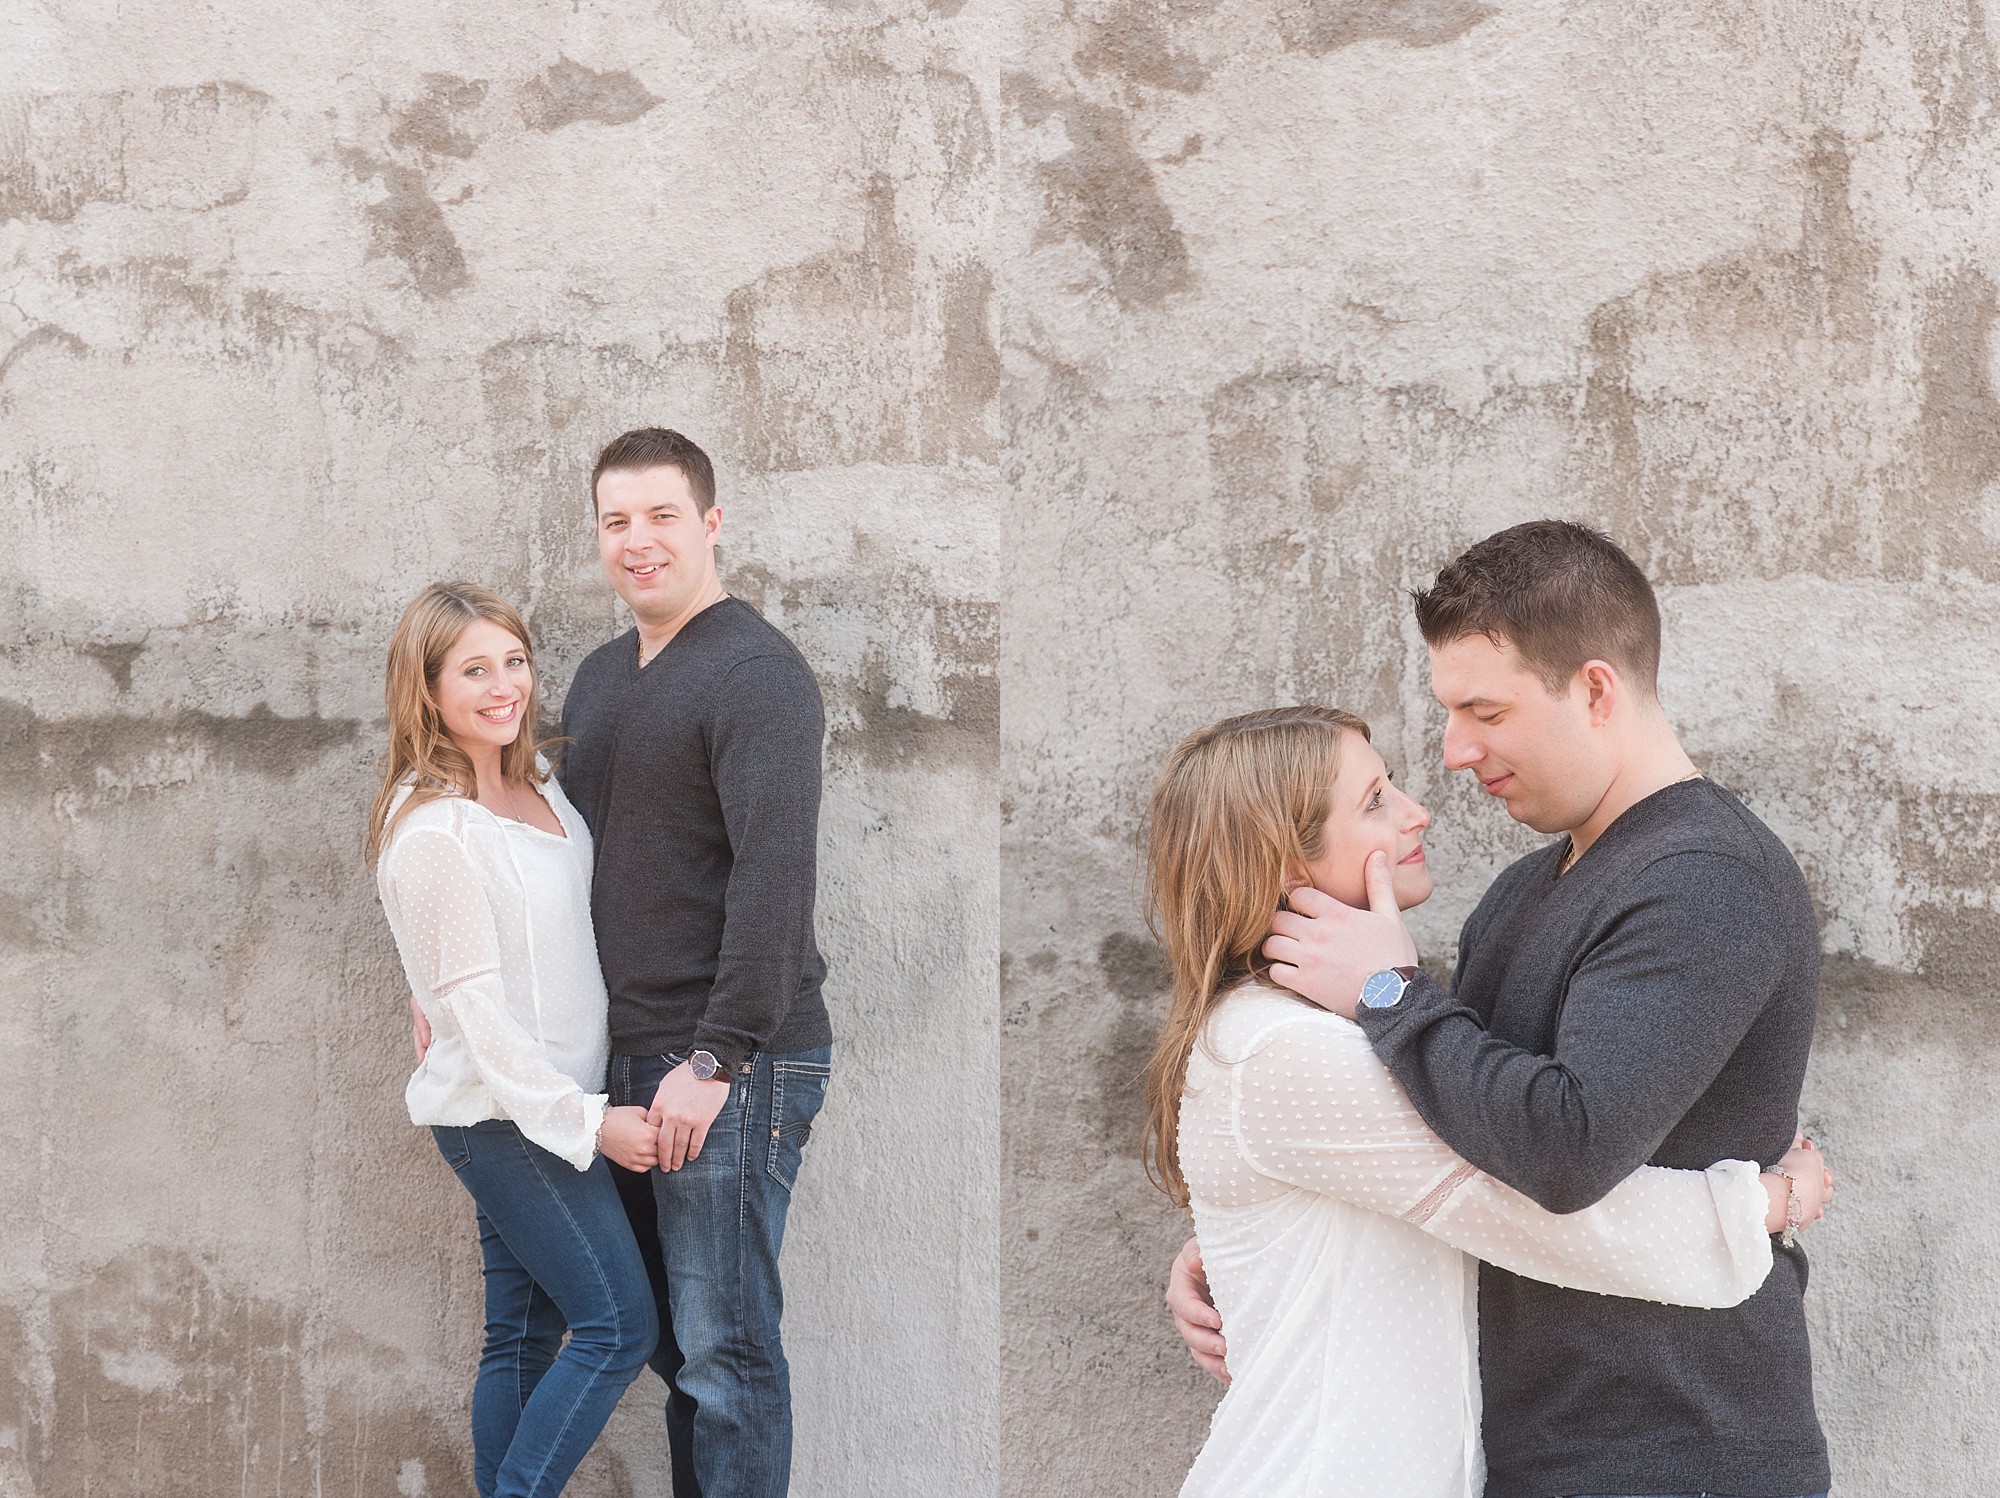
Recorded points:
(455, 1144)
(798, 1088)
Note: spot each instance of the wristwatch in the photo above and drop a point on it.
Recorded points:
(704, 1066)
(1384, 990)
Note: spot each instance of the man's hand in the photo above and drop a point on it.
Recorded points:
(682, 1110)
(1195, 1316)
(629, 1139)
(1324, 951)
(420, 1029)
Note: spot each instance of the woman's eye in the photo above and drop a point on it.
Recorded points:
(1375, 802)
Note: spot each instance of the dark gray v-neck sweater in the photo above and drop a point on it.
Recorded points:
(700, 779)
(1653, 1005)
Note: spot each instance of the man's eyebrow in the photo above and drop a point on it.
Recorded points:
(1480, 702)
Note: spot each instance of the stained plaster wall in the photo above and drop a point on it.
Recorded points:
(304, 307)
(1305, 296)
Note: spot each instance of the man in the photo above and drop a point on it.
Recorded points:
(1642, 991)
(694, 755)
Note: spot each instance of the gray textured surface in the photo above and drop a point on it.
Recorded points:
(300, 309)
(1301, 298)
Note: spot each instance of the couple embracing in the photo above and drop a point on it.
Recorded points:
(615, 985)
(1534, 1234)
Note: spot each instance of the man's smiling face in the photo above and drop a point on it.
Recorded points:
(657, 546)
(1531, 748)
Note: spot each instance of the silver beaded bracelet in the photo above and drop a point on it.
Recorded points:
(1795, 1209)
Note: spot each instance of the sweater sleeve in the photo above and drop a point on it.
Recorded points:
(1650, 1016)
(765, 757)
(447, 920)
(1317, 1110)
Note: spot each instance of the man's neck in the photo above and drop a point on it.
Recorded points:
(655, 634)
(1657, 761)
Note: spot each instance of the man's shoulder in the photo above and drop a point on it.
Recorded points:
(742, 651)
(1707, 834)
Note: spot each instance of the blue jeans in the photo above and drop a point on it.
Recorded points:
(710, 1234)
(558, 1255)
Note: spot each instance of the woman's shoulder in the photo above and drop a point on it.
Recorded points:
(444, 814)
(1257, 1012)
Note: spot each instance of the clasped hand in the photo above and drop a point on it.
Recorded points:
(671, 1132)
(1324, 951)
(682, 1111)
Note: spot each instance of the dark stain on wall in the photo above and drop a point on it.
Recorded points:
(1958, 430)
(955, 417)
(1103, 193)
(569, 92)
(1322, 26)
(1866, 1005)
(430, 124)
(118, 659)
(71, 751)
(889, 734)
(165, 1375)
(1136, 43)
(409, 225)
(1134, 968)
(60, 152)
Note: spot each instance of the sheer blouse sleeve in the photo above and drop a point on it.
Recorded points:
(447, 922)
(1314, 1108)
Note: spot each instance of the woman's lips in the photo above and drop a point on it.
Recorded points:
(1416, 855)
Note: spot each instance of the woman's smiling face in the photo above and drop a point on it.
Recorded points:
(483, 686)
(1369, 813)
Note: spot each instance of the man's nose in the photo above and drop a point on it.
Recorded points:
(1461, 750)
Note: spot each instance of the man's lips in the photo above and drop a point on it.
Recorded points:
(1498, 785)
(651, 569)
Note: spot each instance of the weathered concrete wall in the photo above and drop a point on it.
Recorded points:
(301, 308)
(1303, 297)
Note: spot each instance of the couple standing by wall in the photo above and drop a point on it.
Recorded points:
(615, 986)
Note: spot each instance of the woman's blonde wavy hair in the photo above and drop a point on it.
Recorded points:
(420, 751)
(1238, 813)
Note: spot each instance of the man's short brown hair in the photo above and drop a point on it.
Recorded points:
(656, 447)
(1559, 593)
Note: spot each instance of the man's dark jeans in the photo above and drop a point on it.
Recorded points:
(710, 1234)
(558, 1254)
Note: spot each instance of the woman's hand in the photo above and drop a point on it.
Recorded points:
(420, 1029)
(1813, 1181)
(627, 1139)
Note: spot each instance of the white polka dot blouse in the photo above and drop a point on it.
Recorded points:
(492, 919)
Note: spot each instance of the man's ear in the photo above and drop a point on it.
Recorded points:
(1602, 691)
(711, 521)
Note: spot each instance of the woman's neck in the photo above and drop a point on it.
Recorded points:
(486, 771)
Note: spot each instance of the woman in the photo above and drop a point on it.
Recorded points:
(484, 871)
(1335, 1226)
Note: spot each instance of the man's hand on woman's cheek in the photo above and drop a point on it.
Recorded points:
(1324, 951)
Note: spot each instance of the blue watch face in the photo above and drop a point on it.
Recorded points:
(1382, 990)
